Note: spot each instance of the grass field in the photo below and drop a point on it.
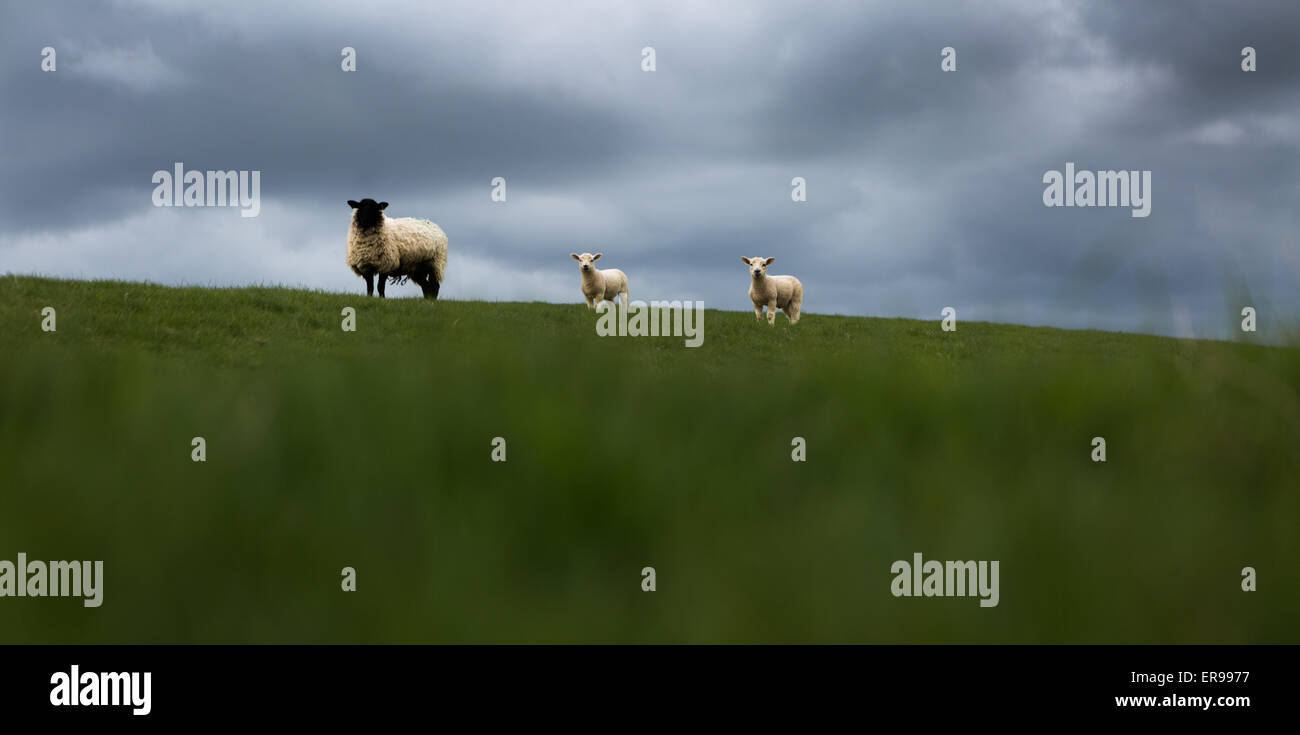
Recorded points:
(371, 449)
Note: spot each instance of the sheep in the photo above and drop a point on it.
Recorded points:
(395, 248)
(785, 292)
(600, 285)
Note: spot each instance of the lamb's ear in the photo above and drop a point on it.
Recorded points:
(574, 256)
(596, 256)
(769, 261)
(383, 206)
(744, 260)
(353, 204)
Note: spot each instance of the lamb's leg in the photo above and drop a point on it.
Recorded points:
(370, 284)
(758, 312)
(382, 279)
(771, 313)
(792, 312)
(591, 303)
(624, 297)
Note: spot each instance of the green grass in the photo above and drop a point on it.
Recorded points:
(371, 449)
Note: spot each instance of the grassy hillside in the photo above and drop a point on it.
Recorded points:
(371, 449)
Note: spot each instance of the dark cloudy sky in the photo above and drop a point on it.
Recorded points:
(924, 188)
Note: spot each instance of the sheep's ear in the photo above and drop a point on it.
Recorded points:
(744, 260)
(574, 256)
(353, 204)
(769, 261)
(383, 206)
(596, 256)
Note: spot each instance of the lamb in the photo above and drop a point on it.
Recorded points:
(598, 285)
(395, 248)
(785, 292)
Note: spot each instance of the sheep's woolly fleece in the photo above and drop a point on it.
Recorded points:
(773, 292)
(604, 285)
(397, 246)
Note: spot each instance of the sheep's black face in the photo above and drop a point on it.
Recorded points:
(369, 213)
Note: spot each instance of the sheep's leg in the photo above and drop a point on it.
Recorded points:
(591, 304)
(370, 284)
(428, 282)
(758, 312)
(771, 313)
(624, 297)
(792, 312)
(382, 279)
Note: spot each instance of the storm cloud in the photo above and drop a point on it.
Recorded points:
(924, 187)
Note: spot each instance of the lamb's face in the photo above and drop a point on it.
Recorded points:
(757, 266)
(586, 261)
(368, 212)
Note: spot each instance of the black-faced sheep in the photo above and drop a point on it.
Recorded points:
(395, 249)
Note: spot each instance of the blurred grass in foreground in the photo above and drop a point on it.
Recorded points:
(371, 449)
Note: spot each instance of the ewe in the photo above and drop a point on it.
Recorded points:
(773, 292)
(598, 285)
(395, 248)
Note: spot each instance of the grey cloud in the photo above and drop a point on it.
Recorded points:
(924, 187)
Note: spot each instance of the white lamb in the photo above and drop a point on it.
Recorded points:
(773, 292)
(600, 285)
(398, 248)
